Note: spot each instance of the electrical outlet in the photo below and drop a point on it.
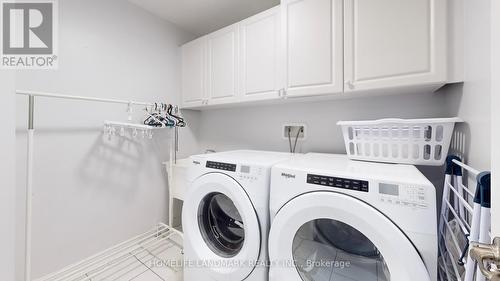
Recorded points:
(294, 129)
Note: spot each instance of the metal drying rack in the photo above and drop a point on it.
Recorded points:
(465, 218)
(125, 256)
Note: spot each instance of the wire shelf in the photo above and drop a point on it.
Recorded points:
(155, 254)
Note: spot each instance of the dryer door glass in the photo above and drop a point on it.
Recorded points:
(326, 249)
(221, 225)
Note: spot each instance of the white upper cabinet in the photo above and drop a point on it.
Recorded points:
(193, 72)
(312, 47)
(394, 43)
(222, 75)
(323, 47)
(259, 56)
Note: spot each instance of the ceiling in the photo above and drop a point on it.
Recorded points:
(201, 17)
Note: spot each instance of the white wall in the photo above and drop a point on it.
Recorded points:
(7, 172)
(472, 101)
(91, 192)
(261, 127)
(495, 114)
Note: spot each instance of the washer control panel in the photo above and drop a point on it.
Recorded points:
(403, 195)
(221, 166)
(344, 183)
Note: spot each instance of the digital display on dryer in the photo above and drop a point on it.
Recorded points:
(245, 169)
(344, 183)
(388, 189)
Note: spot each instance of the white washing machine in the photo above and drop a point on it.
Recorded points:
(226, 216)
(334, 219)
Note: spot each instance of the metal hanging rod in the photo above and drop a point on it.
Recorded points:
(69, 97)
(131, 125)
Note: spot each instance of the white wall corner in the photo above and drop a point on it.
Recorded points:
(455, 41)
(495, 116)
(7, 176)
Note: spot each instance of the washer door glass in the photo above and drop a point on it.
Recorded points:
(326, 249)
(221, 225)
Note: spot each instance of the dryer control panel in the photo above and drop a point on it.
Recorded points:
(344, 183)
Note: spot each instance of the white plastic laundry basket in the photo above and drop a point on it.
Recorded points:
(406, 141)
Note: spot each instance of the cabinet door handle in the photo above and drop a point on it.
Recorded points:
(350, 84)
(482, 253)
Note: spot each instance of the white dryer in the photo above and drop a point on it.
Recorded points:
(334, 219)
(226, 216)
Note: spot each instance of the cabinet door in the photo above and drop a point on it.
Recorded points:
(394, 43)
(312, 46)
(259, 56)
(193, 72)
(223, 65)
